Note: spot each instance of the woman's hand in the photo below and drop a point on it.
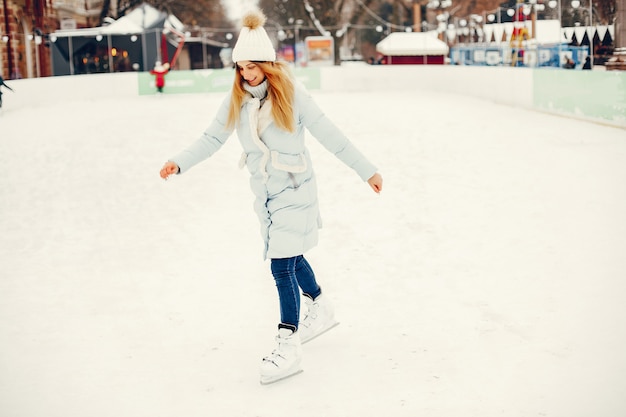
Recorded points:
(168, 169)
(376, 182)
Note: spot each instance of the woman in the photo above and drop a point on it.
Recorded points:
(270, 113)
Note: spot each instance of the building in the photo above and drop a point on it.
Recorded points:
(40, 38)
(134, 42)
(23, 25)
(412, 48)
(75, 14)
(544, 44)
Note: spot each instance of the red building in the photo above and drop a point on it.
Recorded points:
(23, 51)
(412, 48)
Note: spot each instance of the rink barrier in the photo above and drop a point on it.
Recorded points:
(210, 81)
(598, 96)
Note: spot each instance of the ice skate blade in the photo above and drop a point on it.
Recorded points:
(324, 330)
(272, 380)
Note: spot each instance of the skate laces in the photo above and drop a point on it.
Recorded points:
(274, 356)
(277, 353)
(311, 314)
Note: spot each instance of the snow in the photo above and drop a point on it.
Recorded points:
(486, 280)
(412, 43)
(137, 21)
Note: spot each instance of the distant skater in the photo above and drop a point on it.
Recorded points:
(3, 84)
(159, 72)
(569, 64)
(270, 112)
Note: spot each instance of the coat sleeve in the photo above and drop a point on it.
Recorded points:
(330, 136)
(210, 142)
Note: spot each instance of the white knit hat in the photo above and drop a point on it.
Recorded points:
(253, 43)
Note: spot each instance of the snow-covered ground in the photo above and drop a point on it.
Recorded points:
(488, 278)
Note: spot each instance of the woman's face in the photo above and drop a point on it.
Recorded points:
(251, 72)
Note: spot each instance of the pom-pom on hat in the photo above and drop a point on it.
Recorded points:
(253, 43)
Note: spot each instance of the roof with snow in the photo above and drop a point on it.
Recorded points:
(140, 19)
(412, 44)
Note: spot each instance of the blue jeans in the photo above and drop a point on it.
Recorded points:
(291, 275)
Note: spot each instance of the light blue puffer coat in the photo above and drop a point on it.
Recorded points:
(282, 177)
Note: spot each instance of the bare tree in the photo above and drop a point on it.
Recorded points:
(106, 5)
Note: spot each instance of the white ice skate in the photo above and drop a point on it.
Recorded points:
(285, 360)
(319, 318)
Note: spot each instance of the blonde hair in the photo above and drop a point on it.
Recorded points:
(280, 91)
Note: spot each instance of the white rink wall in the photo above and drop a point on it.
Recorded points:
(567, 93)
(35, 92)
(500, 84)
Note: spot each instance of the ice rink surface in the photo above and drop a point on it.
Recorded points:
(488, 279)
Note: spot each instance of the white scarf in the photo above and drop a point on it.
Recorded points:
(258, 91)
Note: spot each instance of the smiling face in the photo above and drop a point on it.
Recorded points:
(251, 72)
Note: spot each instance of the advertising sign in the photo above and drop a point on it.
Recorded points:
(320, 50)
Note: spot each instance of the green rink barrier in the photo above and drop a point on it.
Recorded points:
(211, 81)
(594, 95)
